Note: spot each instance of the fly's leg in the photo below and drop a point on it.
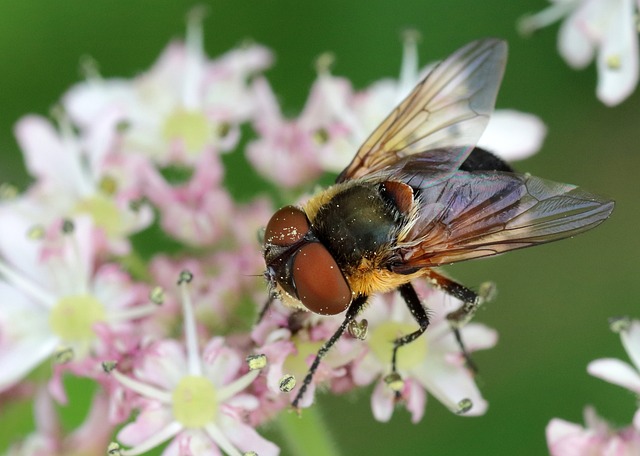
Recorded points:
(471, 301)
(421, 316)
(352, 312)
(264, 310)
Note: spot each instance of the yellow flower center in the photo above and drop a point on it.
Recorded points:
(381, 342)
(73, 317)
(104, 213)
(195, 402)
(192, 127)
(296, 364)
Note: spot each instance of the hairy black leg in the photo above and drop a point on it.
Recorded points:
(264, 309)
(418, 312)
(461, 316)
(352, 312)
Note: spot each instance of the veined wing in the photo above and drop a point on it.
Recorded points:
(442, 118)
(472, 215)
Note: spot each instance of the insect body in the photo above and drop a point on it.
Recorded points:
(419, 195)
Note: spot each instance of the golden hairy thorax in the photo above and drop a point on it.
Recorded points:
(367, 274)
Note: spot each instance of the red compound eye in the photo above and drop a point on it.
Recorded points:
(287, 226)
(320, 285)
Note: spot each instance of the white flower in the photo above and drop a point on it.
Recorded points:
(193, 398)
(51, 297)
(604, 29)
(619, 372)
(431, 363)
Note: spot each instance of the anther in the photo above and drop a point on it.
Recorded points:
(185, 277)
(619, 324)
(156, 295)
(63, 355)
(109, 366)
(256, 361)
(287, 383)
(113, 449)
(68, 226)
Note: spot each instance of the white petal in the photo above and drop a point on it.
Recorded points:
(513, 135)
(568, 439)
(382, 402)
(574, 45)
(616, 372)
(631, 342)
(618, 56)
(450, 385)
(17, 360)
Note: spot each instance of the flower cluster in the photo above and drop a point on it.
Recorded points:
(606, 30)
(599, 437)
(129, 262)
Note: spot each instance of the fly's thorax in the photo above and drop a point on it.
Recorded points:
(357, 222)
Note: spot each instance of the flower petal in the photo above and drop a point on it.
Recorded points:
(450, 384)
(618, 55)
(616, 372)
(382, 402)
(631, 342)
(568, 439)
(513, 135)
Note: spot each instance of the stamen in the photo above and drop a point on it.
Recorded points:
(409, 67)
(132, 313)
(8, 191)
(157, 295)
(193, 355)
(89, 68)
(256, 361)
(238, 385)
(221, 440)
(287, 383)
(136, 386)
(158, 438)
(28, 287)
(194, 55)
(63, 355)
(619, 324)
(325, 62)
(532, 22)
(79, 174)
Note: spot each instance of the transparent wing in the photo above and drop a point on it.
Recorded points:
(472, 215)
(443, 117)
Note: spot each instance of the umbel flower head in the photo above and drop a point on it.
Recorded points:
(130, 188)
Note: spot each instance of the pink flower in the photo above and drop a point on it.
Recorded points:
(291, 339)
(431, 364)
(194, 398)
(619, 372)
(90, 438)
(52, 295)
(605, 29)
(80, 175)
(196, 212)
(597, 438)
(184, 106)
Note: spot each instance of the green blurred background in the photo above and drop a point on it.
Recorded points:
(553, 302)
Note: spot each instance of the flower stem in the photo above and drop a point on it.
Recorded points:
(307, 434)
